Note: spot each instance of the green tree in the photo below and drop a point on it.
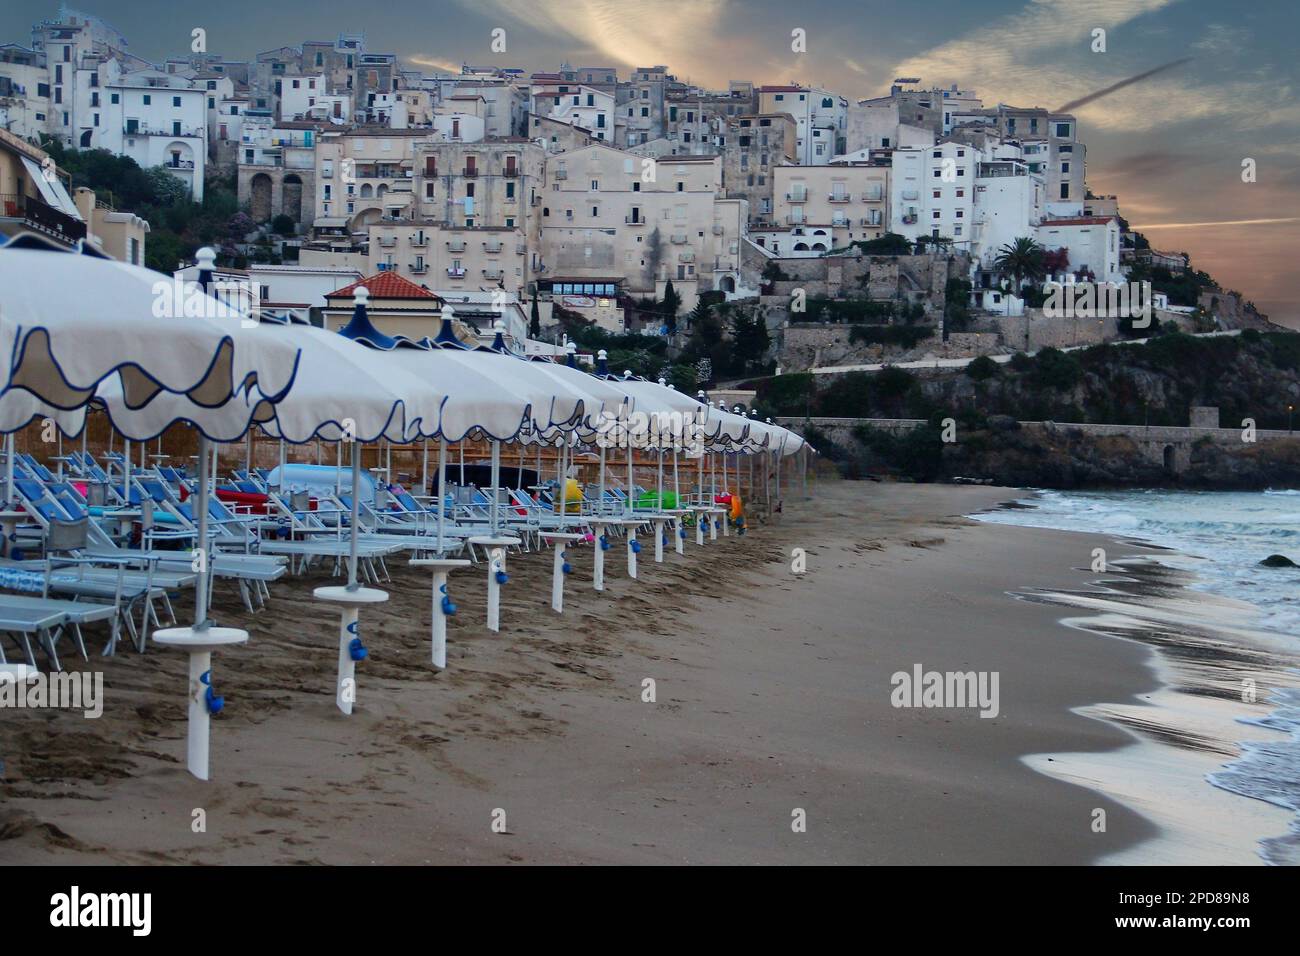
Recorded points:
(750, 340)
(1022, 259)
(670, 306)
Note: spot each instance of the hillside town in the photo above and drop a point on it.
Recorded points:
(922, 223)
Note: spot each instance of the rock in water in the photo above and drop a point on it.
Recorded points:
(1278, 561)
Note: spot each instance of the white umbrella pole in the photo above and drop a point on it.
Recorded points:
(680, 529)
(600, 499)
(9, 469)
(338, 468)
(424, 470)
(462, 462)
(201, 589)
(126, 469)
(442, 490)
(356, 508)
(283, 462)
(627, 508)
(496, 484)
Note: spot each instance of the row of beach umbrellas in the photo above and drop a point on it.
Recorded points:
(80, 331)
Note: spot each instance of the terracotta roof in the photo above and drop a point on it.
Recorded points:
(384, 285)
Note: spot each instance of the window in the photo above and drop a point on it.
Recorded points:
(681, 187)
(937, 215)
(510, 223)
(1063, 130)
(1065, 190)
(595, 185)
(595, 212)
(176, 101)
(936, 194)
(510, 190)
(148, 99)
(961, 193)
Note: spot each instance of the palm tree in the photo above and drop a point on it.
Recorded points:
(1022, 259)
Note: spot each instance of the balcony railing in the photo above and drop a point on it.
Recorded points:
(839, 197)
(455, 273)
(456, 245)
(873, 195)
(388, 241)
(634, 220)
(419, 240)
(469, 173)
(43, 217)
(492, 273)
(796, 197)
(185, 132)
(493, 246)
(511, 172)
(560, 174)
(419, 268)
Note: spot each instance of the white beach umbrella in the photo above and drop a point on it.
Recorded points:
(70, 321)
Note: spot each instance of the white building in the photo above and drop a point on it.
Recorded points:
(586, 107)
(820, 118)
(307, 97)
(1092, 243)
(158, 120)
(932, 192)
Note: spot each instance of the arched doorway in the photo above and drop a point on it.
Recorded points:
(728, 284)
(85, 138)
(259, 197)
(291, 202)
(1171, 460)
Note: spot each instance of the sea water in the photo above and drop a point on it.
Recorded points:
(1220, 537)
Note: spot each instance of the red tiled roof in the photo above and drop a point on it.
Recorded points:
(384, 285)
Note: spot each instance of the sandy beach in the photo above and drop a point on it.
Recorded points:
(772, 696)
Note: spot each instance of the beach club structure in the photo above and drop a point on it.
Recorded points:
(110, 536)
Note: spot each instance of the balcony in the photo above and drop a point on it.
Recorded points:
(910, 194)
(679, 238)
(469, 173)
(795, 220)
(456, 245)
(455, 272)
(42, 217)
(419, 240)
(872, 221)
(560, 174)
(493, 274)
(511, 172)
(873, 195)
(632, 220)
(838, 197)
(494, 246)
(909, 220)
(419, 268)
(796, 197)
(185, 132)
(388, 241)
(686, 257)
(718, 229)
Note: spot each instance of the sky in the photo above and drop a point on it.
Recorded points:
(1171, 146)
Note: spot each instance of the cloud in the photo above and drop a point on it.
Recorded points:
(1220, 222)
(434, 62)
(626, 32)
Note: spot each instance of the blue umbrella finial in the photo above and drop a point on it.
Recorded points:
(571, 352)
(498, 341)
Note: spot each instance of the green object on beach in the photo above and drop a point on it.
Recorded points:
(650, 499)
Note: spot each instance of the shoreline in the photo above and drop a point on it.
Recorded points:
(1196, 724)
(772, 695)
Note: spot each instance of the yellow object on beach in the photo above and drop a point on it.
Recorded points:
(572, 497)
(737, 508)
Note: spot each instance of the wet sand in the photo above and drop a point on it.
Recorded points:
(772, 696)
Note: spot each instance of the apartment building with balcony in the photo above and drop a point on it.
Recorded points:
(364, 175)
(756, 144)
(505, 104)
(34, 194)
(1051, 145)
(1009, 203)
(607, 214)
(584, 107)
(820, 117)
(155, 118)
(277, 172)
(932, 192)
(697, 121)
(819, 208)
(309, 98)
(640, 109)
